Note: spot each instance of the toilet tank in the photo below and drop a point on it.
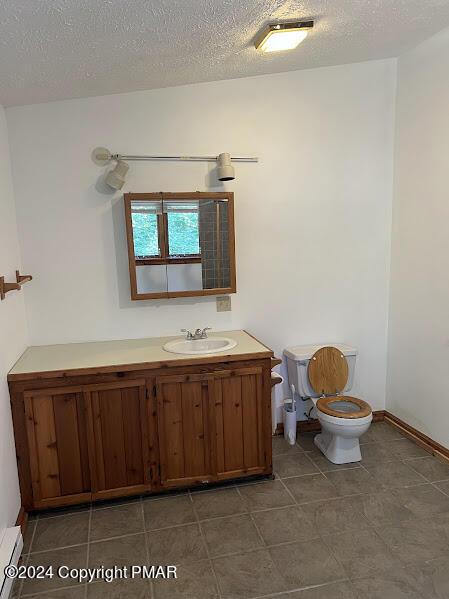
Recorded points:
(298, 358)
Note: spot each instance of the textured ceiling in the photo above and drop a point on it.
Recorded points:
(58, 49)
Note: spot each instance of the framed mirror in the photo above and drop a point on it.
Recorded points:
(180, 244)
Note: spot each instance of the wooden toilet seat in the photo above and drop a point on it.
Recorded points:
(328, 371)
(361, 408)
(328, 374)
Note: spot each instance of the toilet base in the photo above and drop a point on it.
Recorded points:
(337, 449)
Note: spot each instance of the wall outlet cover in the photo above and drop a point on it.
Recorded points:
(223, 303)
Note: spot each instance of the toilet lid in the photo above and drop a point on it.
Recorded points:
(328, 371)
(344, 406)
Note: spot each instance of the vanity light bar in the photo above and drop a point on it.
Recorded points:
(186, 158)
(115, 178)
(102, 156)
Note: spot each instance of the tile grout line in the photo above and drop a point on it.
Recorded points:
(88, 547)
(147, 546)
(64, 515)
(211, 563)
(253, 521)
(50, 592)
(434, 485)
(289, 492)
(300, 589)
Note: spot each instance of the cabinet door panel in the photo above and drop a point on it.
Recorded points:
(119, 448)
(56, 431)
(184, 425)
(239, 416)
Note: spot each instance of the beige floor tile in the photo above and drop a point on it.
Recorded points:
(398, 584)
(362, 553)
(234, 534)
(394, 474)
(306, 564)
(195, 581)
(352, 482)
(284, 525)
(70, 593)
(217, 503)
(432, 578)
(124, 551)
(61, 531)
(405, 448)
(265, 495)
(130, 588)
(334, 590)
(314, 487)
(116, 521)
(423, 501)
(416, 541)
(295, 464)
(431, 468)
(72, 557)
(337, 515)
(248, 575)
(280, 446)
(168, 511)
(177, 545)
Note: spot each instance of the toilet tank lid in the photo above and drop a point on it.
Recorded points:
(305, 352)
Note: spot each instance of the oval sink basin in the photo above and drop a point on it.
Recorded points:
(211, 345)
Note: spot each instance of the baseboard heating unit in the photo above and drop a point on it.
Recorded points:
(10, 549)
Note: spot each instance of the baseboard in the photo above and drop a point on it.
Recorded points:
(433, 447)
(313, 425)
(419, 438)
(22, 520)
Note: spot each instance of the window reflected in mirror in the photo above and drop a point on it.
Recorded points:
(180, 244)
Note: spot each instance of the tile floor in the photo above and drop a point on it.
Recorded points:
(378, 529)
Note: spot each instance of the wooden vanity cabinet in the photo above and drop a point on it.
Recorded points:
(185, 429)
(211, 426)
(118, 441)
(56, 432)
(111, 434)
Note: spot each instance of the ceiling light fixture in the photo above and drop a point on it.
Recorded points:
(225, 170)
(283, 36)
(115, 178)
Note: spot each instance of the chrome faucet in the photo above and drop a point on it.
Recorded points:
(198, 334)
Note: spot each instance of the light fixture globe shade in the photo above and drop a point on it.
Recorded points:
(101, 156)
(225, 170)
(116, 177)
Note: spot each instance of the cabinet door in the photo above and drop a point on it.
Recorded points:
(57, 440)
(241, 403)
(184, 429)
(118, 438)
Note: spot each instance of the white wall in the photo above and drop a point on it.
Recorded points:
(13, 334)
(418, 371)
(312, 217)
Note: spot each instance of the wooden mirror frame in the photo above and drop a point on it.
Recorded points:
(200, 196)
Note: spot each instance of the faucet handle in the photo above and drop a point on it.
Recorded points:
(204, 333)
(188, 334)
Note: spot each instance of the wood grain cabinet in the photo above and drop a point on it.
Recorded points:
(185, 429)
(117, 433)
(118, 438)
(57, 440)
(242, 425)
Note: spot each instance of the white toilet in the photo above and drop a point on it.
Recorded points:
(324, 374)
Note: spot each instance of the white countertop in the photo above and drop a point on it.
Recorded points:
(103, 354)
